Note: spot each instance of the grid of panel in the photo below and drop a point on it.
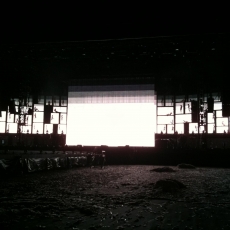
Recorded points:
(28, 117)
(165, 114)
(174, 113)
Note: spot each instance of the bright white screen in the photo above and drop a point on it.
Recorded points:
(112, 118)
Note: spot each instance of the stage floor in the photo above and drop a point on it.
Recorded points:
(116, 197)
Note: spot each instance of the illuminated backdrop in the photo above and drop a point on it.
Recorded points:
(111, 115)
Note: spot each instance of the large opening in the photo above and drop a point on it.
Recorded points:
(111, 115)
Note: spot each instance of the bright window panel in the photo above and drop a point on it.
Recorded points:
(161, 129)
(60, 109)
(48, 128)
(193, 127)
(188, 107)
(219, 113)
(38, 117)
(37, 128)
(222, 121)
(2, 127)
(217, 106)
(3, 117)
(183, 118)
(179, 108)
(16, 109)
(111, 115)
(63, 118)
(10, 117)
(64, 109)
(211, 118)
(57, 109)
(165, 110)
(54, 118)
(221, 129)
(38, 108)
(170, 129)
(211, 128)
(61, 129)
(12, 127)
(179, 128)
(161, 120)
(26, 129)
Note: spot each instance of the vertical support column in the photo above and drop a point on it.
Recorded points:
(174, 112)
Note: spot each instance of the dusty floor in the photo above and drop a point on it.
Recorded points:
(117, 197)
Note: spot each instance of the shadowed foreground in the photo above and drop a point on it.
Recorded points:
(117, 197)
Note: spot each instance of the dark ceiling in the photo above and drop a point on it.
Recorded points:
(190, 61)
(54, 22)
(182, 48)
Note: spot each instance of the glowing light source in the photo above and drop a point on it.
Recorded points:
(111, 117)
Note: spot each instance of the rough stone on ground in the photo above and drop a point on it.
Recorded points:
(169, 185)
(62, 199)
(186, 166)
(163, 169)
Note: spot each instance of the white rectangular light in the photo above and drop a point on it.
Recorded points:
(111, 115)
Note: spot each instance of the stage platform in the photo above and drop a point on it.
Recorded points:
(31, 159)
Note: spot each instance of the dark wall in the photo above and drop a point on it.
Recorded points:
(176, 63)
